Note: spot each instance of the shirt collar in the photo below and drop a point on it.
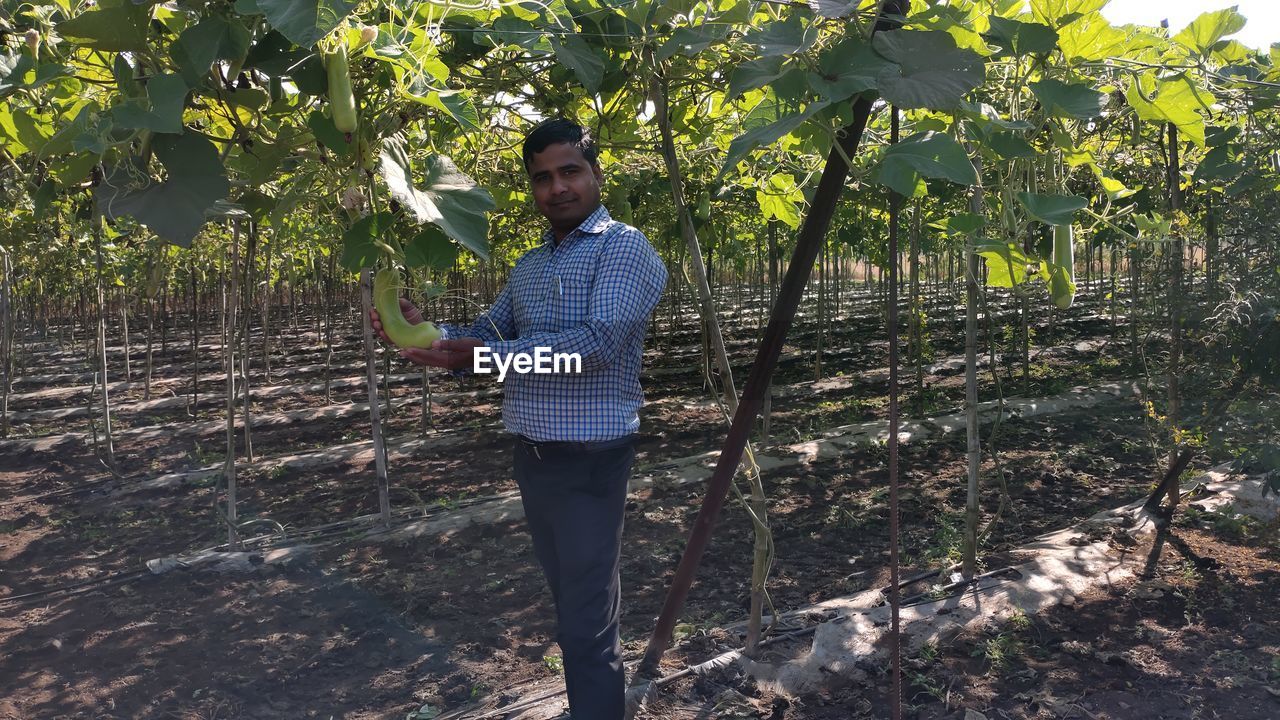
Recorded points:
(595, 224)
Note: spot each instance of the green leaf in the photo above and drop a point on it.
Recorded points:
(780, 199)
(753, 74)
(91, 130)
(251, 98)
(448, 197)
(1020, 38)
(175, 208)
(783, 37)
(358, 248)
(848, 68)
(72, 169)
(688, 41)
(162, 113)
(1092, 38)
(30, 131)
(430, 248)
(1114, 189)
(14, 66)
(1052, 209)
(1069, 100)
(274, 55)
(766, 135)
(1219, 164)
(456, 104)
(960, 224)
(1153, 226)
(1231, 52)
(1006, 264)
(1205, 31)
(43, 196)
(574, 53)
(1246, 183)
(258, 163)
(930, 72)
(1056, 13)
(213, 38)
(305, 22)
(114, 29)
(1009, 145)
(1176, 100)
(928, 154)
(984, 114)
(328, 134)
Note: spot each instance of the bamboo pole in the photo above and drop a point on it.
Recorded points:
(375, 419)
(815, 226)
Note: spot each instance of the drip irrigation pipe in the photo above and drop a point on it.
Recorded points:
(726, 658)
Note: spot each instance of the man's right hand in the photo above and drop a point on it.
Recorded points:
(408, 309)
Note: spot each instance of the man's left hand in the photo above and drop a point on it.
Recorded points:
(452, 354)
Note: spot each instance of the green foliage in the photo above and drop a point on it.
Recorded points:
(448, 197)
(1052, 209)
(174, 208)
(1069, 100)
(304, 22)
(927, 154)
(930, 71)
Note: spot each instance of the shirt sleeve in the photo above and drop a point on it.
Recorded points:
(628, 284)
(494, 325)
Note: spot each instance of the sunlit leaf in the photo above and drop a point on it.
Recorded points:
(1056, 13)
(780, 199)
(1205, 31)
(1006, 264)
(1092, 38)
(1178, 100)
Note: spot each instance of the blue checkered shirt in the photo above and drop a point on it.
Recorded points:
(591, 294)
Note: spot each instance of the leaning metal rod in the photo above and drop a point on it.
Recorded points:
(812, 233)
(895, 592)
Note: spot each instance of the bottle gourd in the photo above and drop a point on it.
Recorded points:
(386, 300)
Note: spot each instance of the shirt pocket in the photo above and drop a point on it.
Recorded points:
(572, 303)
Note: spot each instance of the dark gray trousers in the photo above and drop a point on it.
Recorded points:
(574, 503)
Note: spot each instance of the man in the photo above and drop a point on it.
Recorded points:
(587, 289)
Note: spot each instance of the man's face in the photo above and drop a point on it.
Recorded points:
(566, 187)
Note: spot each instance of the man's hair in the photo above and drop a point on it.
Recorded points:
(552, 132)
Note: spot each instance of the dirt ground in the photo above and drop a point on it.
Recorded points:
(359, 629)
